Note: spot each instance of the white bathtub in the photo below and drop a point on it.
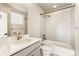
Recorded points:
(59, 48)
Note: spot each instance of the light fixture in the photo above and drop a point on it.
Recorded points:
(54, 6)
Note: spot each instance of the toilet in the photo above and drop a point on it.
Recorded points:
(46, 50)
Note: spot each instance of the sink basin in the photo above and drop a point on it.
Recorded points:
(21, 41)
(24, 39)
(13, 40)
(17, 44)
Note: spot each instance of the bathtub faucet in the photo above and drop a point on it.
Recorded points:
(44, 37)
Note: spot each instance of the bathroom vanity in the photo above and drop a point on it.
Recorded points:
(27, 47)
(31, 50)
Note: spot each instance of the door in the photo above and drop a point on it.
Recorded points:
(3, 24)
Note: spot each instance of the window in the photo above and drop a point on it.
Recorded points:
(16, 18)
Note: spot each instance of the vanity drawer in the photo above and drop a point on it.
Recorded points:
(27, 50)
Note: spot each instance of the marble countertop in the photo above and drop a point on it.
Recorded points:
(7, 49)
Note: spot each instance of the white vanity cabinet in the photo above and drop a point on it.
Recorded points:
(31, 50)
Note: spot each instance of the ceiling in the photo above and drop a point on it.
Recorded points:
(17, 6)
(49, 6)
(45, 6)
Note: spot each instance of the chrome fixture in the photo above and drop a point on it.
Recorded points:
(18, 35)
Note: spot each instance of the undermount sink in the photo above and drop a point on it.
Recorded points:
(18, 44)
(14, 43)
(22, 40)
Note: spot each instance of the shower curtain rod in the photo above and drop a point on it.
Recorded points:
(58, 9)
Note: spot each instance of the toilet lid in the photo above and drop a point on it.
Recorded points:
(46, 48)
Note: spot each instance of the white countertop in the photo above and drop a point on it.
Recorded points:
(8, 49)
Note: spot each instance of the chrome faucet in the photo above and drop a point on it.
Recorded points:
(18, 35)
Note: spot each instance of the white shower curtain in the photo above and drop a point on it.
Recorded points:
(59, 26)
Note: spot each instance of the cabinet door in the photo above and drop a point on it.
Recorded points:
(3, 24)
(35, 52)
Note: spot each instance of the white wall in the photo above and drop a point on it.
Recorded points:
(34, 19)
(59, 26)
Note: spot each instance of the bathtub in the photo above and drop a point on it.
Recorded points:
(59, 48)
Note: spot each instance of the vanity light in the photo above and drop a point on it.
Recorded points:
(54, 6)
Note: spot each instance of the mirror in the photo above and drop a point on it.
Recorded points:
(18, 23)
